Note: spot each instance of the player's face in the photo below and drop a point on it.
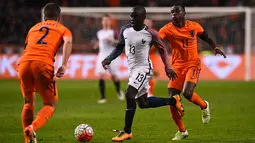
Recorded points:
(177, 13)
(136, 18)
(106, 22)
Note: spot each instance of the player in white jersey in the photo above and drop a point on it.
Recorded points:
(106, 43)
(137, 39)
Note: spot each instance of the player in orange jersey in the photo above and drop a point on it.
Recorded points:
(153, 57)
(36, 69)
(182, 37)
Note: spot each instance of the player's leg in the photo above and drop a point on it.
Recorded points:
(113, 69)
(101, 85)
(27, 88)
(182, 132)
(45, 86)
(175, 88)
(131, 92)
(152, 84)
(116, 82)
(153, 102)
(188, 92)
(26, 79)
(100, 72)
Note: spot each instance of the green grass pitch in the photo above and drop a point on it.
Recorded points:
(232, 109)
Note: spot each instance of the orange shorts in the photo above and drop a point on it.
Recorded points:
(38, 76)
(190, 74)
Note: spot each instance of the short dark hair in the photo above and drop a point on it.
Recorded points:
(140, 9)
(183, 7)
(51, 11)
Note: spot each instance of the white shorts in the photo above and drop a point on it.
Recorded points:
(113, 68)
(139, 78)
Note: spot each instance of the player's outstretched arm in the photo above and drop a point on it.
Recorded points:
(204, 36)
(157, 42)
(67, 49)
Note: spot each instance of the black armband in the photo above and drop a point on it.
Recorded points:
(204, 36)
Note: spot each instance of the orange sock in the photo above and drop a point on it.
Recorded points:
(152, 84)
(42, 117)
(196, 99)
(177, 119)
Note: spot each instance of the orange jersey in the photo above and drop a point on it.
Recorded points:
(43, 40)
(183, 42)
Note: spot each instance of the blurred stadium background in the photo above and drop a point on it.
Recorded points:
(223, 81)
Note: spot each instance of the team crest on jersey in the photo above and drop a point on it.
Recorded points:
(192, 33)
(143, 41)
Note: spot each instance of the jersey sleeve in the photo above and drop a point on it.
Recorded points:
(67, 35)
(121, 36)
(156, 39)
(162, 32)
(199, 28)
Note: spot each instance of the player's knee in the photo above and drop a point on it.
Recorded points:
(143, 105)
(131, 92)
(173, 91)
(187, 93)
(129, 95)
(30, 101)
(114, 78)
(52, 104)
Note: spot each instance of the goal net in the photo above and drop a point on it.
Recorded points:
(230, 28)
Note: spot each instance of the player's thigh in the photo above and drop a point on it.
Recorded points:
(25, 76)
(139, 79)
(143, 101)
(191, 81)
(177, 83)
(46, 83)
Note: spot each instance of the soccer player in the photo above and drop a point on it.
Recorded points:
(137, 38)
(106, 43)
(36, 69)
(182, 37)
(153, 57)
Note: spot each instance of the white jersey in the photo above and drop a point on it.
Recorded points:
(137, 45)
(104, 47)
(137, 48)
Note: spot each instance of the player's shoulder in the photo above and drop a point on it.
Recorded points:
(152, 31)
(192, 23)
(168, 26)
(126, 26)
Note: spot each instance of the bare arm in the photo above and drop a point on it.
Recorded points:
(67, 49)
(157, 42)
(204, 36)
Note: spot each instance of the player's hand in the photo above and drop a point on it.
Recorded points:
(105, 63)
(171, 74)
(218, 51)
(61, 71)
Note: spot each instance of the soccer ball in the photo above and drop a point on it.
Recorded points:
(83, 133)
